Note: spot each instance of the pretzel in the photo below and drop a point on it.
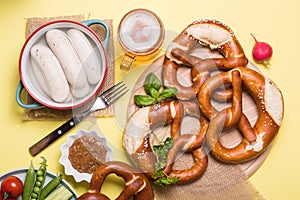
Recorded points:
(136, 183)
(194, 172)
(138, 132)
(210, 33)
(256, 139)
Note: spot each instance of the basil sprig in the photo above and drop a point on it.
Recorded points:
(154, 94)
(161, 152)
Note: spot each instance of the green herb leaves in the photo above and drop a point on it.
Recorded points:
(167, 93)
(156, 94)
(143, 100)
(163, 179)
(161, 152)
(152, 87)
(151, 81)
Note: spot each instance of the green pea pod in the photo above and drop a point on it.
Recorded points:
(40, 179)
(151, 81)
(167, 93)
(29, 183)
(143, 100)
(50, 187)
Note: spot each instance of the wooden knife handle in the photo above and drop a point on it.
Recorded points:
(51, 137)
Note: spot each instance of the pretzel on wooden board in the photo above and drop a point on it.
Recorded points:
(270, 107)
(211, 33)
(138, 132)
(206, 85)
(136, 183)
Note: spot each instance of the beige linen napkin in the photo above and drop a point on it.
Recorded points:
(52, 114)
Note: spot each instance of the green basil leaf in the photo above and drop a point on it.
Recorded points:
(154, 93)
(143, 100)
(151, 81)
(167, 93)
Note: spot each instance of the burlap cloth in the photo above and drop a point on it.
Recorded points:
(220, 181)
(52, 114)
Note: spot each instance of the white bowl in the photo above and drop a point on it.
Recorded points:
(64, 160)
(29, 80)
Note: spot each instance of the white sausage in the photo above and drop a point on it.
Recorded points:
(39, 77)
(50, 69)
(80, 92)
(63, 49)
(41, 80)
(87, 55)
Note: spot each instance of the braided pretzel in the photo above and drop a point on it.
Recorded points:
(137, 185)
(211, 33)
(269, 102)
(138, 130)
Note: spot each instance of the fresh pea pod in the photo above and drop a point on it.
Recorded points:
(29, 183)
(151, 81)
(40, 179)
(143, 100)
(50, 187)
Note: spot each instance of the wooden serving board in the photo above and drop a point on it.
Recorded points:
(229, 137)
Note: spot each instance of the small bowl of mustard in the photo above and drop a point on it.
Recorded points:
(83, 153)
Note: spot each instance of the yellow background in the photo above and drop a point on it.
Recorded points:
(274, 21)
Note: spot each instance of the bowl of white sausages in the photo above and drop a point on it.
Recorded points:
(63, 65)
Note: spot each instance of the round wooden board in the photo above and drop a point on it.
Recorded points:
(229, 138)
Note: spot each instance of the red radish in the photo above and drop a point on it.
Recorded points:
(262, 52)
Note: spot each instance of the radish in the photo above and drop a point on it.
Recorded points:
(262, 52)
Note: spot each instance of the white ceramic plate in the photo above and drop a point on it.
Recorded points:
(21, 174)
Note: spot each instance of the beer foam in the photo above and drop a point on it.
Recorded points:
(140, 31)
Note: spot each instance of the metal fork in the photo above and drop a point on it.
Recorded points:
(106, 99)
